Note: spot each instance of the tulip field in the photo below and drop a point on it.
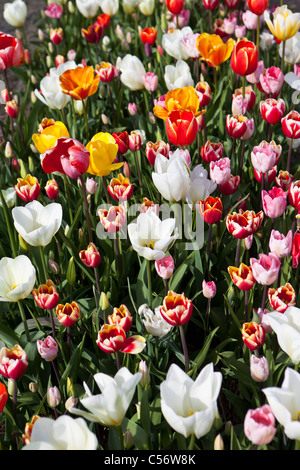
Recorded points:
(149, 226)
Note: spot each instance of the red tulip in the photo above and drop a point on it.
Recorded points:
(148, 36)
(272, 110)
(91, 256)
(181, 127)
(244, 58)
(3, 396)
(291, 125)
(296, 249)
(211, 152)
(211, 209)
(10, 51)
(243, 223)
(294, 194)
(121, 317)
(46, 295)
(242, 276)
(122, 140)
(253, 335)
(174, 6)
(176, 309)
(258, 7)
(282, 298)
(68, 314)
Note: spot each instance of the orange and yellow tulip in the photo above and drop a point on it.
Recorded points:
(213, 50)
(181, 98)
(46, 139)
(80, 82)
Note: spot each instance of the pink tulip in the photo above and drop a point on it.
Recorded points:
(209, 289)
(240, 31)
(255, 76)
(250, 20)
(281, 244)
(13, 362)
(259, 368)
(220, 170)
(249, 129)
(151, 81)
(266, 268)
(263, 157)
(267, 177)
(272, 110)
(274, 202)
(264, 319)
(47, 348)
(91, 185)
(113, 219)
(54, 11)
(259, 425)
(165, 267)
(271, 81)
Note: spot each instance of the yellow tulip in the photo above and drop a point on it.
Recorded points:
(180, 98)
(213, 50)
(49, 135)
(103, 151)
(285, 23)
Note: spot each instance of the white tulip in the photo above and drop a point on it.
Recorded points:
(15, 13)
(132, 72)
(17, 278)
(287, 329)
(129, 6)
(153, 321)
(88, 8)
(51, 92)
(10, 197)
(109, 7)
(292, 49)
(37, 224)
(109, 407)
(147, 7)
(172, 43)
(178, 75)
(64, 433)
(285, 402)
(171, 176)
(201, 186)
(190, 407)
(151, 237)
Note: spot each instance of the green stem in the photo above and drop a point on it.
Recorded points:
(120, 432)
(8, 226)
(184, 348)
(86, 120)
(149, 283)
(42, 254)
(23, 316)
(282, 58)
(192, 442)
(67, 192)
(258, 32)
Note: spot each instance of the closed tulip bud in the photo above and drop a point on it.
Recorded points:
(53, 396)
(53, 266)
(49, 61)
(8, 152)
(13, 362)
(104, 119)
(33, 387)
(260, 425)
(244, 58)
(91, 256)
(132, 109)
(23, 244)
(128, 439)
(259, 368)
(91, 185)
(143, 368)
(211, 209)
(71, 272)
(71, 7)
(103, 302)
(12, 109)
(209, 289)
(52, 189)
(126, 170)
(48, 348)
(165, 267)
(218, 443)
(70, 388)
(56, 35)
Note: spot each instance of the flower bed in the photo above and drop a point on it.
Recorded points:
(150, 226)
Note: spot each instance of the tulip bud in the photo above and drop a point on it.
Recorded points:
(12, 109)
(91, 185)
(128, 439)
(103, 302)
(70, 388)
(53, 396)
(53, 266)
(71, 402)
(71, 272)
(33, 387)
(49, 61)
(52, 189)
(71, 7)
(132, 109)
(23, 244)
(259, 368)
(218, 443)
(8, 150)
(143, 368)
(209, 289)
(10, 387)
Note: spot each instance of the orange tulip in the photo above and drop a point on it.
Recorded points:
(181, 127)
(181, 98)
(242, 276)
(79, 83)
(213, 50)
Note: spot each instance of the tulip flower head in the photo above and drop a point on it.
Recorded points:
(52, 189)
(113, 219)
(253, 335)
(259, 368)
(122, 141)
(47, 348)
(259, 425)
(274, 202)
(15, 13)
(109, 407)
(189, 406)
(209, 289)
(79, 83)
(175, 6)
(211, 209)
(285, 23)
(49, 133)
(165, 267)
(68, 314)
(46, 295)
(112, 338)
(242, 276)
(291, 124)
(243, 223)
(271, 81)
(244, 58)
(296, 249)
(176, 309)
(283, 179)
(281, 244)
(153, 321)
(258, 7)
(93, 33)
(148, 36)
(28, 189)
(103, 150)
(282, 298)
(106, 71)
(17, 278)
(120, 188)
(266, 268)
(272, 110)
(213, 50)
(211, 152)
(91, 256)
(265, 156)
(122, 317)
(13, 362)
